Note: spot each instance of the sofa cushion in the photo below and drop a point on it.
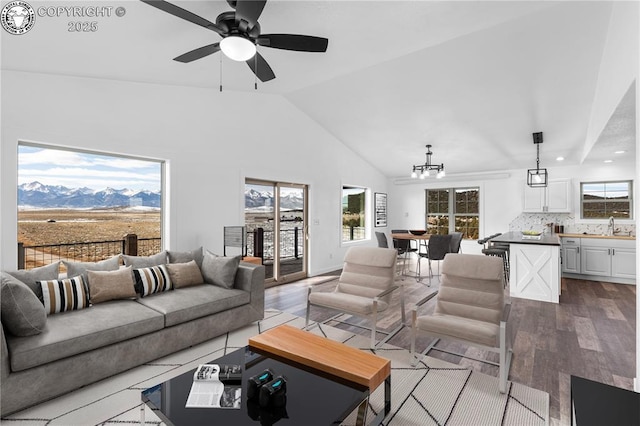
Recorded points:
(220, 270)
(69, 294)
(189, 303)
(185, 274)
(81, 268)
(154, 279)
(186, 256)
(31, 276)
(145, 261)
(74, 332)
(111, 285)
(21, 311)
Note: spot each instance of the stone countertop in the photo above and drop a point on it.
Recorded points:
(515, 237)
(612, 237)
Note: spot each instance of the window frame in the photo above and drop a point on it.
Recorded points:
(366, 213)
(610, 182)
(164, 175)
(452, 214)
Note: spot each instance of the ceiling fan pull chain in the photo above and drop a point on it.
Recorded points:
(255, 74)
(221, 73)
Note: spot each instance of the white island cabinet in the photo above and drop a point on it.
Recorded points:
(534, 266)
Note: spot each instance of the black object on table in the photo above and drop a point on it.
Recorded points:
(597, 404)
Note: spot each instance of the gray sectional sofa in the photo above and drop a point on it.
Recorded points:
(79, 347)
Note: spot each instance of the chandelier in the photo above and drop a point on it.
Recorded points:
(537, 177)
(424, 170)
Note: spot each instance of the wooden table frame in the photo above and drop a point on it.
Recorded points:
(331, 359)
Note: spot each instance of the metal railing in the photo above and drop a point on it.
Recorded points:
(92, 251)
(260, 243)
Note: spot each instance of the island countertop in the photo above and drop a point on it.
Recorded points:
(515, 237)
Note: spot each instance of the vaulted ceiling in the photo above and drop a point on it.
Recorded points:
(474, 79)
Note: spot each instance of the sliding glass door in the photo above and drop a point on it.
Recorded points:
(276, 226)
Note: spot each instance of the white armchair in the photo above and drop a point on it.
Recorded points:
(364, 288)
(470, 307)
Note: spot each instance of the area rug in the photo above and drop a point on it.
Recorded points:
(433, 393)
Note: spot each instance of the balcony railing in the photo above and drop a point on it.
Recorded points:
(93, 251)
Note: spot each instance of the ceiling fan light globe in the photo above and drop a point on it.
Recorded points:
(238, 48)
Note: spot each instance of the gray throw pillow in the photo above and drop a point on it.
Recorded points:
(30, 277)
(220, 270)
(145, 261)
(21, 311)
(186, 256)
(185, 274)
(82, 268)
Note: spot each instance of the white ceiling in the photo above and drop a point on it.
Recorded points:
(474, 79)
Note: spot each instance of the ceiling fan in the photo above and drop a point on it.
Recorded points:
(240, 32)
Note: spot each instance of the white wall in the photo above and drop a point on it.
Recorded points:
(210, 140)
(501, 200)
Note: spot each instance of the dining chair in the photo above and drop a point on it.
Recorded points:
(364, 289)
(382, 240)
(471, 308)
(456, 240)
(437, 247)
(404, 247)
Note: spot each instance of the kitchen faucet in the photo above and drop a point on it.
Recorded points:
(611, 228)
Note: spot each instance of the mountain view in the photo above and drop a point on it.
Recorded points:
(40, 196)
(255, 200)
(37, 195)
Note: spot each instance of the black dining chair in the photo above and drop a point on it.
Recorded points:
(437, 248)
(403, 246)
(456, 240)
(382, 240)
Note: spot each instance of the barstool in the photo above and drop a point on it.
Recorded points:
(499, 250)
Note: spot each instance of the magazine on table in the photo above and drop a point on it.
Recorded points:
(216, 386)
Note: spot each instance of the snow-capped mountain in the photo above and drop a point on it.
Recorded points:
(35, 194)
(259, 200)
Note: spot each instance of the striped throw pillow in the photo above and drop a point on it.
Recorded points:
(153, 279)
(64, 295)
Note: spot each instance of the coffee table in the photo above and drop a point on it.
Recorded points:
(319, 392)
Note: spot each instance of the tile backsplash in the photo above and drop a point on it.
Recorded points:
(537, 221)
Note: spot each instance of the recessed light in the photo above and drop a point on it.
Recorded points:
(620, 152)
(608, 161)
(560, 159)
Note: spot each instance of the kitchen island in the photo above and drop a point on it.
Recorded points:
(534, 266)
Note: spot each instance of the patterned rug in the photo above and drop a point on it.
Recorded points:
(433, 393)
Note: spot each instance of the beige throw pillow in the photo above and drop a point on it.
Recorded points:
(110, 285)
(185, 274)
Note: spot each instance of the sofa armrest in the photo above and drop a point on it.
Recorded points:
(250, 277)
(4, 367)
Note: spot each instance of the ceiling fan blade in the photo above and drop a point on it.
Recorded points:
(300, 43)
(184, 14)
(263, 71)
(249, 10)
(198, 53)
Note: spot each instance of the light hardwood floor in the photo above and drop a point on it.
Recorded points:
(590, 333)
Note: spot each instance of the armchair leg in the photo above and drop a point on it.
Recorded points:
(306, 323)
(374, 320)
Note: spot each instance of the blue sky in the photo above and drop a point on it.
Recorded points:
(78, 169)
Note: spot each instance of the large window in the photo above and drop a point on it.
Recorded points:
(354, 202)
(79, 205)
(601, 200)
(453, 209)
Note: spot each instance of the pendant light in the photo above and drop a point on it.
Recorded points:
(426, 168)
(537, 177)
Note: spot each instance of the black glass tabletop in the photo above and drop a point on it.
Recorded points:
(311, 399)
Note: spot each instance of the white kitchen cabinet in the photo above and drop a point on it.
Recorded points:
(623, 263)
(608, 258)
(554, 198)
(596, 260)
(571, 255)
